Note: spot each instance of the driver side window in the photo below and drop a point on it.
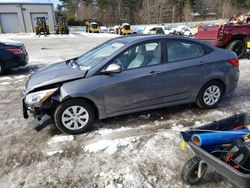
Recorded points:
(142, 55)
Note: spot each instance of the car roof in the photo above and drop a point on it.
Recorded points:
(138, 38)
(131, 39)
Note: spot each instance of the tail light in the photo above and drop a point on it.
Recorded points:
(234, 62)
(15, 51)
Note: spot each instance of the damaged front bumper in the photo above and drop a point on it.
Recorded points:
(41, 109)
(38, 125)
(40, 120)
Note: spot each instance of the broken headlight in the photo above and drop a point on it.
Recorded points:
(37, 98)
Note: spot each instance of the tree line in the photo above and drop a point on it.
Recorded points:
(110, 12)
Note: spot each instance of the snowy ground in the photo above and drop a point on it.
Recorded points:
(137, 150)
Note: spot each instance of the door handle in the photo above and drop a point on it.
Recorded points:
(153, 73)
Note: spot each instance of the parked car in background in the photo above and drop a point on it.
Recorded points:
(179, 29)
(12, 55)
(126, 75)
(187, 32)
(137, 29)
(154, 30)
(111, 29)
(104, 29)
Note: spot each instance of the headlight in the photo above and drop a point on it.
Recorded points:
(37, 98)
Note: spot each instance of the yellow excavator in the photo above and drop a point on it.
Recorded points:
(123, 29)
(61, 26)
(92, 26)
(41, 26)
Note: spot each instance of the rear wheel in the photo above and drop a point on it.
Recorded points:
(189, 173)
(238, 46)
(74, 116)
(210, 95)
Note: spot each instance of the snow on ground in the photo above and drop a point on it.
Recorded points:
(6, 37)
(136, 150)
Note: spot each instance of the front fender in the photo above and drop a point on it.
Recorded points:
(86, 88)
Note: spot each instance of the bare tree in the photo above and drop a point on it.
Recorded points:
(187, 11)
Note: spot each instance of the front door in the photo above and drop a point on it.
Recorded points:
(141, 82)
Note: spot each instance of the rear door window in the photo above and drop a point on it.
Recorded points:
(178, 50)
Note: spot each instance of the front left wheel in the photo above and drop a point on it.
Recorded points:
(74, 116)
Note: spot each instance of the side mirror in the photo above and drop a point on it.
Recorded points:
(112, 68)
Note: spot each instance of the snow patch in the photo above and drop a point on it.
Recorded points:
(51, 153)
(97, 35)
(55, 145)
(109, 131)
(4, 83)
(177, 128)
(20, 77)
(108, 146)
(5, 78)
(60, 138)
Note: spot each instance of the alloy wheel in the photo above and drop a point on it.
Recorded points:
(75, 117)
(211, 95)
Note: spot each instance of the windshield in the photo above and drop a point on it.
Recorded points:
(99, 54)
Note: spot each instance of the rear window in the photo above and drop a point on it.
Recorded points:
(179, 50)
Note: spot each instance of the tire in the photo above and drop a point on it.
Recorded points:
(189, 173)
(74, 119)
(237, 46)
(37, 31)
(57, 31)
(210, 95)
(2, 69)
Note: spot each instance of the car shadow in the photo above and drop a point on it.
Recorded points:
(149, 117)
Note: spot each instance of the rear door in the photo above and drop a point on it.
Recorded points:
(140, 84)
(186, 70)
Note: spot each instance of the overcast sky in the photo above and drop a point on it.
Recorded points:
(32, 1)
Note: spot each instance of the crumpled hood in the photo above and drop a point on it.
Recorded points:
(52, 74)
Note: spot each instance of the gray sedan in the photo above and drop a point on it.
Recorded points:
(126, 75)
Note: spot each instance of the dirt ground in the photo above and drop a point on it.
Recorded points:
(136, 150)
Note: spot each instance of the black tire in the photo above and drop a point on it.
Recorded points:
(2, 69)
(189, 173)
(57, 31)
(37, 31)
(238, 46)
(200, 101)
(66, 105)
(67, 31)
